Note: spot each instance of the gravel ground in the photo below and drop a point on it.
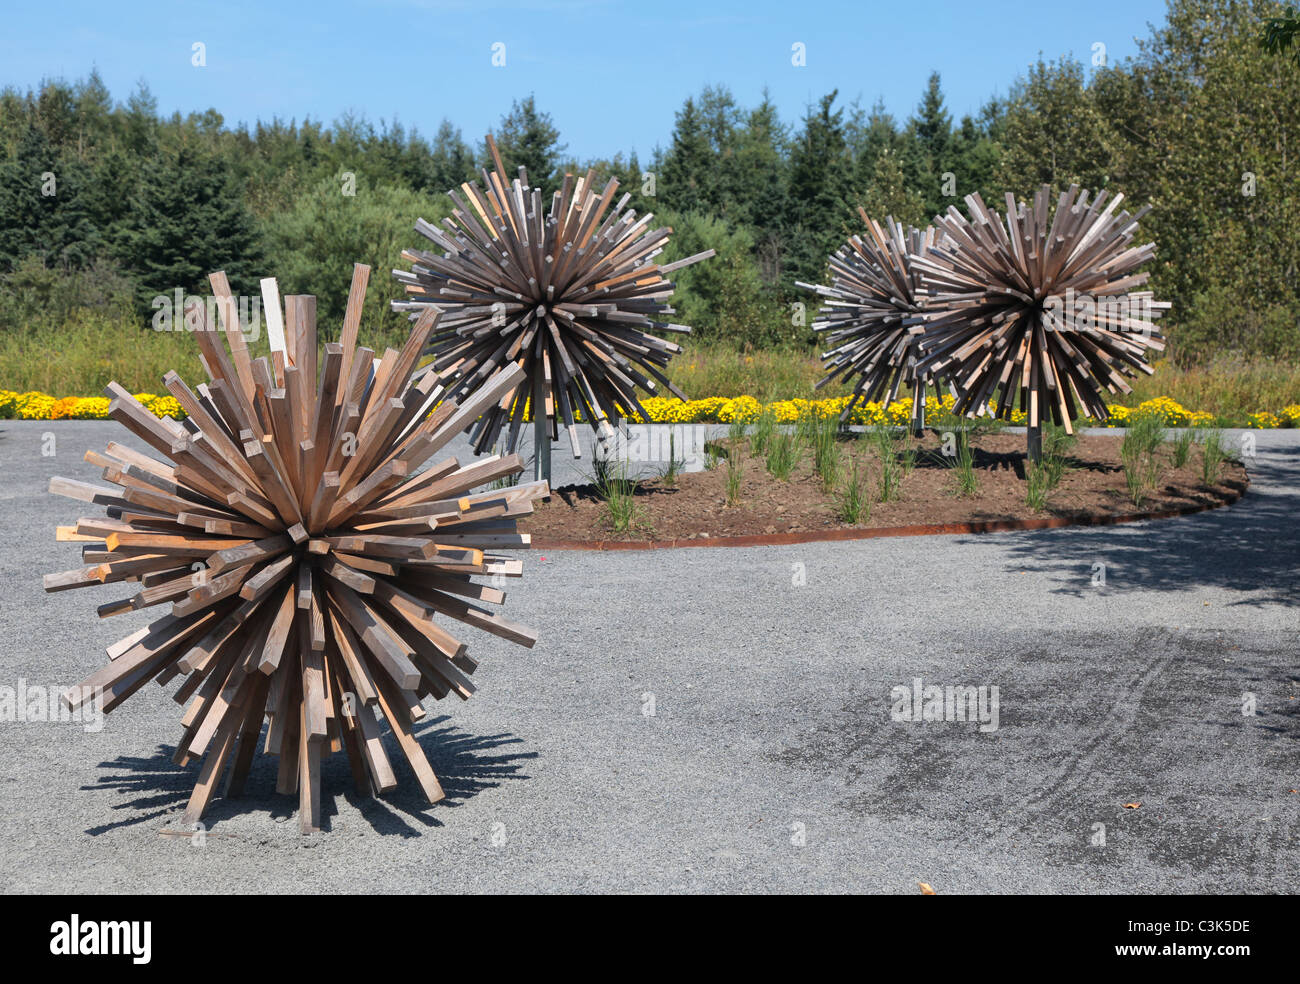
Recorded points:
(720, 720)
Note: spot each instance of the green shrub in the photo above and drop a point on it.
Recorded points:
(725, 297)
(326, 232)
(1220, 321)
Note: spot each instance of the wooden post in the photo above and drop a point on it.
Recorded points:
(541, 433)
(1034, 443)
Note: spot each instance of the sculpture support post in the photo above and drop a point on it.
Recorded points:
(541, 432)
(1034, 443)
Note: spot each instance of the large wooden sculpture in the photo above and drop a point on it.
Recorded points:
(571, 295)
(872, 315)
(1038, 310)
(306, 560)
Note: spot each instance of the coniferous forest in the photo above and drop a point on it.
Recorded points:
(1204, 124)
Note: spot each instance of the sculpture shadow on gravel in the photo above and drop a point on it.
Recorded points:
(155, 789)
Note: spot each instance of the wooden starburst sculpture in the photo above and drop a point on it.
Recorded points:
(1038, 309)
(872, 315)
(572, 295)
(306, 559)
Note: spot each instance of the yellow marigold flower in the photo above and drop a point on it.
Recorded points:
(742, 408)
(1263, 420)
(34, 406)
(65, 408)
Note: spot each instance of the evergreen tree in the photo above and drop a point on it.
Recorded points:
(528, 138)
(685, 183)
(975, 154)
(761, 175)
(1215, 158)
(888, 194)
(819, 193)
(451, 163)
(141, 122)
(43, 210)
(93, 115)
(871, 133)
(109, 193)
(188, 220)
(930, 148)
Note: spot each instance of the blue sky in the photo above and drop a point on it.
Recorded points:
(612, 74)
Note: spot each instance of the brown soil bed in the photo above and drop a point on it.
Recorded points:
(695, 507)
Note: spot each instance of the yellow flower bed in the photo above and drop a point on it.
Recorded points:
(746, 409)
(1174, 414)
(670, 410)
(41, 406)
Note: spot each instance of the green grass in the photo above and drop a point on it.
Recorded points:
(760, 435)
(736, 432)
(891, 468)
(735, 474)
(826, 452)
(1056, 445)
(962, 463)
(617, 489)
(720, 369)
(670, 471)
(1142, 440)
(1228, 388)
(805, 430)
(93, 348)
(1213, 454)
(1041, 479)
(1036, 487)
(782, 456)
(852, 504)
(1181, 446)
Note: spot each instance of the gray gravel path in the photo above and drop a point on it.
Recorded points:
(770, 762)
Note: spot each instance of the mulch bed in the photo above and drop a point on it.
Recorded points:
(695, 506)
